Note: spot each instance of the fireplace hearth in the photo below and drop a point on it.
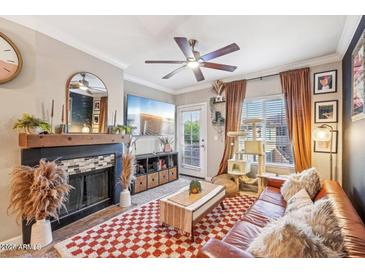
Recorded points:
(93, 173)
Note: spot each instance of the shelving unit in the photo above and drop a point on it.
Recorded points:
(153, 170)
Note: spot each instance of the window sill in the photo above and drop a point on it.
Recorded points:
(278, 166)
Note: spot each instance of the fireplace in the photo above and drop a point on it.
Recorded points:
(88, 189)
(93, 173)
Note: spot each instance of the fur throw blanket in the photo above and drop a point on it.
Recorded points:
(309, 232)
(307, 179)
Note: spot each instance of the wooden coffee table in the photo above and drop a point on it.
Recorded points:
(183, 215)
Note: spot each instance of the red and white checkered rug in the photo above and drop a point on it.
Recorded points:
(137, 234)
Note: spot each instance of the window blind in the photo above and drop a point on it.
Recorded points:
(274, 129)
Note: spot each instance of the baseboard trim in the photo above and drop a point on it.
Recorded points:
(18, 240)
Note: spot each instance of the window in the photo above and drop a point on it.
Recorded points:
(274, 130)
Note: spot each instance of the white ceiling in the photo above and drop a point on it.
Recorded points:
(127, 41)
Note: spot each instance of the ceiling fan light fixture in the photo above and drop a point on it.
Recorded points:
(193, 64)
(83, 87)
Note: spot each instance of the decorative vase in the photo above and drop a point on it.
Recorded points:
(167, 148)
(41, 233)
(125, 198)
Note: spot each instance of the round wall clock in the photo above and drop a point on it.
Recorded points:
(10, 59)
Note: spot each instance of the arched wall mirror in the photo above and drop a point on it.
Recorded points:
(86, 104)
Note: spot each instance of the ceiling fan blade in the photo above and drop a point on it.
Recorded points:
(219, 52)
(218, 66)
(198, 74)
(172, 73)
(164, 62)
(97, 90)
(183, 44)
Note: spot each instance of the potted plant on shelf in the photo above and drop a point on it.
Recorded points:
(166, 143)
(38, 194)
(122, 129)
(32, 125)
(126, 178)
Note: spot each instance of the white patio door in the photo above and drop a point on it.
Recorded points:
(192, 139)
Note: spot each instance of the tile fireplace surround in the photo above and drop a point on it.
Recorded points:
(94, 169)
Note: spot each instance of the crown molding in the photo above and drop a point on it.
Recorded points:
(351, 24)
(36, 25)
(140, 81)
(331, 58)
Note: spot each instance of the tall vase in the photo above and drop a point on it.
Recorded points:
(125, 198)
(41, 233)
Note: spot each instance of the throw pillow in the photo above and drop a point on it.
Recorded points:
(299, 200)
(321, 217)
(287, 238)
(308, 179)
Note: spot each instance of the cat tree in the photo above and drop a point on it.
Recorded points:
(239, 165)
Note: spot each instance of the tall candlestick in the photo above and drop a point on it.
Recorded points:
(52, 109)
(52, 114)
(115, 118)
(62, 115)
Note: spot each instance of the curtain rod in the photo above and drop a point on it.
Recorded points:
(261, 77)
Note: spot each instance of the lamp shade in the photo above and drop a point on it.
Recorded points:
(322, 134)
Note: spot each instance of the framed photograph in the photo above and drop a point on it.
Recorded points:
(326, 112)
(324, 147)
(358, 80)
(96, 119)
(96, 105)
(325, 82)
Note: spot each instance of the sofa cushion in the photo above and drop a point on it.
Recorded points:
(242, 234)
(266, 210)
(298, 201)
(273, 195)
(308, 179)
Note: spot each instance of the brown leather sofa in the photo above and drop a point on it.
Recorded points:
(270, 206)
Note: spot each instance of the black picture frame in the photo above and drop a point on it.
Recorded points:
(327, 121)
(315, 82)
(335, 142)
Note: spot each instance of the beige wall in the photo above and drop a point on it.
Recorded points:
(47, 65)
(147, 144)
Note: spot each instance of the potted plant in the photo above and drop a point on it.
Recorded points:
(32, 125)
(126, 178)
(166, 143)
(122, 129)
(38, 194)
(195, 187)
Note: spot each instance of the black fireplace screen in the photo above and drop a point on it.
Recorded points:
(88, 189)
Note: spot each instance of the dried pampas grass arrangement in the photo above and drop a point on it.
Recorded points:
(128, 169)
(38, 193)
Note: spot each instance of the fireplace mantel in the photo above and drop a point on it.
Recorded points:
(61, 140)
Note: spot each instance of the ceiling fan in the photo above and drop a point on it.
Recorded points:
(84, 85)
(195, 61)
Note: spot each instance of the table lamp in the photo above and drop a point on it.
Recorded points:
(324, 133)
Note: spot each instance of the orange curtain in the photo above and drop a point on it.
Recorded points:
(297, 94)
(235, 94)
(103, 114)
